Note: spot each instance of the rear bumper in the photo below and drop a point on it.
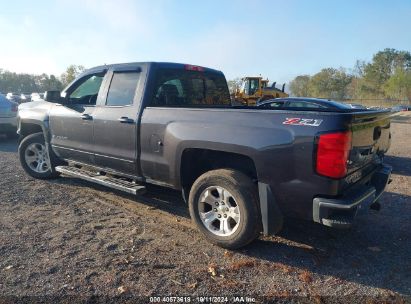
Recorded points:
(340, 212)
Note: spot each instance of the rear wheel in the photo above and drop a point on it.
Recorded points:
(35, 158)
(224, 206)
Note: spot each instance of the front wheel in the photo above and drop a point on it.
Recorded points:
(224, 206)
(35, 158)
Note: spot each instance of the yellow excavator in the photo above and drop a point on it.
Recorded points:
(255, 89)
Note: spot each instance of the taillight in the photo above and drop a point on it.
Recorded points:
(332, 154)
(14, 107)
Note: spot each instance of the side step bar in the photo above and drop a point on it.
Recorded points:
(109, 181)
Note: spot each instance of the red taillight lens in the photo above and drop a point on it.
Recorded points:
(14, 107)
(332, 154)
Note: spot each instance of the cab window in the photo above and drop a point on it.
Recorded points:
(86, 92)
(253, 86)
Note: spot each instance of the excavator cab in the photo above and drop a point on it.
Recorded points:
(250, 86)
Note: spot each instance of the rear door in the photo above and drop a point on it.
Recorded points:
(116, 121)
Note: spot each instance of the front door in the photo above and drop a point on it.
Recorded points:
(71, 122)
(115, 122)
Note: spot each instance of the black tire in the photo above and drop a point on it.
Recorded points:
(26, 142)
(244, 191)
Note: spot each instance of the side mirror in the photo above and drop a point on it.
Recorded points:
(52, 96)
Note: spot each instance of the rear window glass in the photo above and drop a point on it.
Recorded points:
(122, 89)
(175, 87)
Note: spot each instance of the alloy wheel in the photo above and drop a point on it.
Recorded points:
(219, 211)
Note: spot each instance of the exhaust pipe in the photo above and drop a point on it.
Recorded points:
(283, 88)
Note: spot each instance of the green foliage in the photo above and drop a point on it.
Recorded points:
(328, 83)
(386, 76)
(399, 84)
(383, 66)
(300, 86)
(71, 73)
(22, 83)
(19, 83)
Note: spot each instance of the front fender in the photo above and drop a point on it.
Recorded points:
(34, 114)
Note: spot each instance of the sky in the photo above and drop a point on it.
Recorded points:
(273, 38)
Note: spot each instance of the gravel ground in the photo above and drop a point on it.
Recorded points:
(74, 241)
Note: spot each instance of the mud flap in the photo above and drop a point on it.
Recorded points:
(271, 215)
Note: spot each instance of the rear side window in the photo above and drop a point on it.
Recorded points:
(175, 87)
(122, 89)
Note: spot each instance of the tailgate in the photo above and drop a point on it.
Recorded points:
(371, 138)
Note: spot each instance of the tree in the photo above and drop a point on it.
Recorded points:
(299, 86)
(46, 83)
(71, 73)
(27, 83)
(383, 66)
(233, 85)
(399, 85)
(385, 76)
(330, 83)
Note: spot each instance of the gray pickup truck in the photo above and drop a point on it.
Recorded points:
(240, 169)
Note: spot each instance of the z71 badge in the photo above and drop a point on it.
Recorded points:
(303, 122)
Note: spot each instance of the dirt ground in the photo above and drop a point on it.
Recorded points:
(72, 241)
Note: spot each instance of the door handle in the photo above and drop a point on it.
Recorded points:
(86, 117)
(125, 120)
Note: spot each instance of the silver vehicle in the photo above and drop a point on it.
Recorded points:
(8, 117)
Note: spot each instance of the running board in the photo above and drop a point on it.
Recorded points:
(105, 180)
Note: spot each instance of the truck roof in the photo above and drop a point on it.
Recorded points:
(165, 65)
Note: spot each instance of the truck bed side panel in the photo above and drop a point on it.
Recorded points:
(282, 154)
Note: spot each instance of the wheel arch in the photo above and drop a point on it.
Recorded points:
(196, 161)
(28, 127)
